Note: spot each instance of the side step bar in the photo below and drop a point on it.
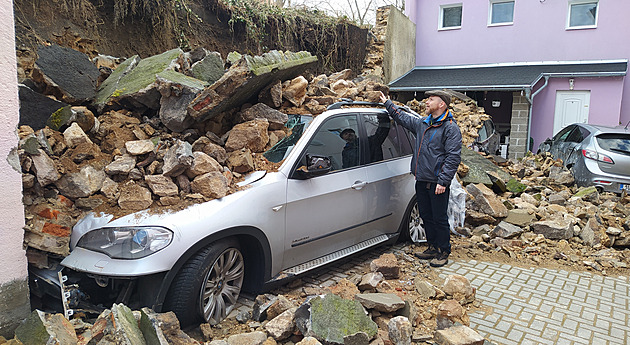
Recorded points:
(326, 259)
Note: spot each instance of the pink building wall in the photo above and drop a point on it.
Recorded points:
(13, 265)
(537, 34)
(604, 104)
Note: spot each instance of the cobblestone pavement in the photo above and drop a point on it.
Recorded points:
(546, 306)
(523, 305)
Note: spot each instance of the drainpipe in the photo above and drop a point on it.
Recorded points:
(530, 98)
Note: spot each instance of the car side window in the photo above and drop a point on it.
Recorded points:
(575, 136)
(563, 134)
(338, 139)
(382, 138)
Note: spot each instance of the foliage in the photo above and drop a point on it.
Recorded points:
(268, 27)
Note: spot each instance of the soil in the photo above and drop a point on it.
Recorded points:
(149, 27)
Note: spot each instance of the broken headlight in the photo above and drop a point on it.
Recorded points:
(127, 242)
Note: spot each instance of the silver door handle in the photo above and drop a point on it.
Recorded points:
(358, 185)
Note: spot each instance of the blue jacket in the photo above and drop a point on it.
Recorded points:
(438, 145)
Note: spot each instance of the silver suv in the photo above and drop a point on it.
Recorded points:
(344, 186)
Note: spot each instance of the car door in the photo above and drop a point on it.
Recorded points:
(390, 185)
(559, 145)
(325, 213)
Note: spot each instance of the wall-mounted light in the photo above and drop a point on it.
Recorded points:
(571, 83)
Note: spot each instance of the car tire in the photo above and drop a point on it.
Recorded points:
(207, 286)
(412, 226)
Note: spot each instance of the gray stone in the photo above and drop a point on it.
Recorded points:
(370, 281)
(36, 109)
(251, 135)
(386, 264)
(121, 165)
(506, 230)
(330, 318)
(556, 199)
(424, 288)
(74, 135)
(458, 288)
(202, 163)
(149, 325)
(109, 87)
(81, 184)
(40, 329)
(241, 161)
(177, 91)
(88, 203)
(485, 201)
(15, 305)
(209, 69)
(384, 302)
(359, 338)
(482, 229)
(178, 158)
(479, 167)
(458, 335)
(205, 145)
(137, 86)
(252, 338)
(67, 73)
(294, 90)
(587, 234)
(560, 175)
(161, 185)
(28, 181)
(520, 217)
(400, 330)
(553, 229)
(45, 169)
(271, 95)
(139, 147)
(245, 78)
(308, 341)
(134, 197)
(261, 304)
(282, 326)
(275, 118)
(211, 185)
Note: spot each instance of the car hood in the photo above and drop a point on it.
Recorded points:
(93, 221)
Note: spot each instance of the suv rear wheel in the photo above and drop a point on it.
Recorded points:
(208, 285)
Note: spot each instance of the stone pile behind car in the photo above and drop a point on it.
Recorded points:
(162, 132)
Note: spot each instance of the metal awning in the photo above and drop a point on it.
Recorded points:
(502, 76)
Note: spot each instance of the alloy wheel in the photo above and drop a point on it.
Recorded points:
(222, 285)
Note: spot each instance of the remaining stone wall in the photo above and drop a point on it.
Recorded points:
(518, 130)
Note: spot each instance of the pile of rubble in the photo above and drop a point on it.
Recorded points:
(537, 215)
(395, 302)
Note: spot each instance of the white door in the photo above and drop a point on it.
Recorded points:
(571, 107)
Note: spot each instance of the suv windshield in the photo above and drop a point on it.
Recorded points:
(297, 124)
(619, 143)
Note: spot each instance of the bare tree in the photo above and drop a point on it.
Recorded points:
(361, 12)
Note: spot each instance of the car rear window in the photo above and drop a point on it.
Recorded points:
(616, 142)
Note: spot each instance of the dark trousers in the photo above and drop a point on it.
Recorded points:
(433, 211)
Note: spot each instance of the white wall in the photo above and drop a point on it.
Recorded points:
(13, 265)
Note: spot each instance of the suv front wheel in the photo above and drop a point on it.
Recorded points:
(208, 285)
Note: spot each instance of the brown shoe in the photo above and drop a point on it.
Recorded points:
(440, 260)
(428, 254)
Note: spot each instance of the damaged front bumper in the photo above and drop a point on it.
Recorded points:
(67, 291)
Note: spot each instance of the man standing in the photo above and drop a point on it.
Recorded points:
(437, 154)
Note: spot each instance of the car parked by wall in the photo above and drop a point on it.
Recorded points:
(596, 155)
(333, 196)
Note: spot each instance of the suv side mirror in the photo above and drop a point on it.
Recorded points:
(316, 166)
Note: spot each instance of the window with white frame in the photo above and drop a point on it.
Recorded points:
(450, 16)
(501, 12)
(582, 14)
